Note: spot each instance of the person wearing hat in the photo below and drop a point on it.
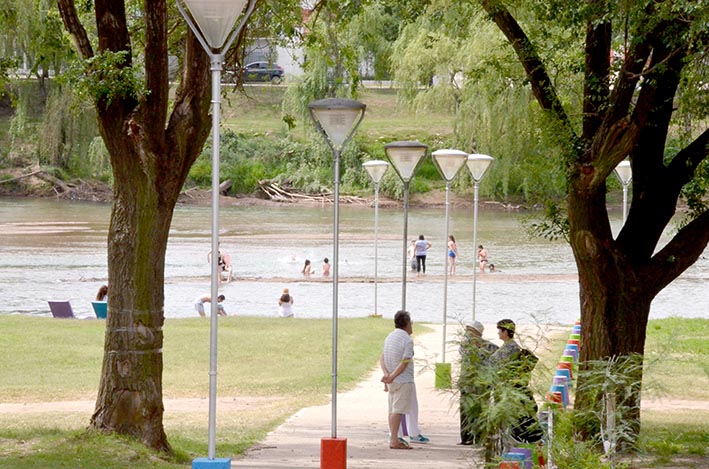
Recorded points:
(475, 353)
(510, 348)
(514, 366)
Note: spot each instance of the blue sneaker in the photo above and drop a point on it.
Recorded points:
(419, 439)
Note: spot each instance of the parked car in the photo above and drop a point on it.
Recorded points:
(263, 71)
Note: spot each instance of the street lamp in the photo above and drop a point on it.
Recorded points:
(376, 170)
(477, 164)
(406, 157)
(625, 176)
(336, 119)
(448, 163)
(212, 22)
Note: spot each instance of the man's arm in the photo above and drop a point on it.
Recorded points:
(388, 378)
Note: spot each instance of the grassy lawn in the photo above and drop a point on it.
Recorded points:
(273, 367)
(675, 414)
(268, 369)
(258, 111)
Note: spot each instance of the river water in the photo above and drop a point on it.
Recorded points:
(56, 250)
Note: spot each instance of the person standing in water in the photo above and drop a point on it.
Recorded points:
(482, 258)
(422, 247)
(452, 254)
(306, 268)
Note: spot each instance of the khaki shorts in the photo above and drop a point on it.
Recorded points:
(400, 397)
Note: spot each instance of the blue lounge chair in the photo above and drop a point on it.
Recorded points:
(100, 308)
(61, 309)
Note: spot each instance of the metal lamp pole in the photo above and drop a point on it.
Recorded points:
(625, 174)
(477, 164)
(336, 119)
(405, 157)
(376, 170)
(448, 163)
(212, 22)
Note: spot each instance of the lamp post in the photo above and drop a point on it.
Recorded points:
(336, 119)
(406, 157)
(477, 164)
(212, 22)
(448, 163)
(376, 170)
(625, 175)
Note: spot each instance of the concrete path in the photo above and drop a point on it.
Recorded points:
(362, 419)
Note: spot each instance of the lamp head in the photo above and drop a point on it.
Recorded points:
(478, 164)
(449, 162)
(215, 18)
(406, 157)
(624, 172)
(376, 169)
(337, 119)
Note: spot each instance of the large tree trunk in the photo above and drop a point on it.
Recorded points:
(130, 392)
(615, 307)
(151, 154)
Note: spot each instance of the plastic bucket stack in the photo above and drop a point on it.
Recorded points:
(558, 395)
(523, 458)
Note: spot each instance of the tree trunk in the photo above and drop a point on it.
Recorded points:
(615, 305)
(130, 392)
(151, 153)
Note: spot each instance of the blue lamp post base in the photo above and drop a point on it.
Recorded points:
(216, 463)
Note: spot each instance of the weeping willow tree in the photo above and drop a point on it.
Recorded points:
(66, 133)
(451, 59)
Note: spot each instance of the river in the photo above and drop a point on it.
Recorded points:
(56, 250)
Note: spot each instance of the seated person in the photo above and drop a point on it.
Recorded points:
(285, 304)
(102, 294)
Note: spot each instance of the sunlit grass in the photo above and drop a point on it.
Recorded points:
(269, 367)
(259, 111)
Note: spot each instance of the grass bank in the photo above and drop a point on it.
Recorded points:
(268, 369)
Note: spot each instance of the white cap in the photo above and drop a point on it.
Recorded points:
(477, 325)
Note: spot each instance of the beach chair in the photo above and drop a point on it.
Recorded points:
(61, 309)
(100, 309)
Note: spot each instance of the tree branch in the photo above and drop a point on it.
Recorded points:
(154, 110)
(542, 87)
(680, 253)
(67, 10)
(112, 27)
(685, 163)
(597, 70)
(188, 126)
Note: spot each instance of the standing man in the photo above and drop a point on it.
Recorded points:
(422, 247)
(397, 363)
(474, 382)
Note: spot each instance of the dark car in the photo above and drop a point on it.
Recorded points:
(263, 71)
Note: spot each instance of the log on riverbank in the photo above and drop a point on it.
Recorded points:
(278, 193)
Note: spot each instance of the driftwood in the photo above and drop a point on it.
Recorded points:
(34, 173)
(64, 187)
(279, 194)
(56, 182)
(225, 186)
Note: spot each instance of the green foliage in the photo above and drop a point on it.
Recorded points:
(67, 133)
(569, 450)
(496, 391)
(107, 76)
(553, 226)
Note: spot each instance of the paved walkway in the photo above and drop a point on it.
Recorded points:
(362, 419)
